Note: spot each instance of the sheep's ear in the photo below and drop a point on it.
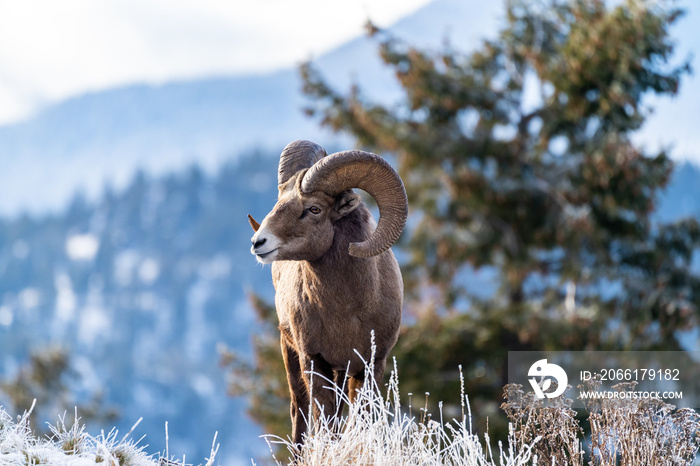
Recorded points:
(345, 203)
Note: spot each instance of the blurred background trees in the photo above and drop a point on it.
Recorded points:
(45, 385)
(531, 221)
(120, 302)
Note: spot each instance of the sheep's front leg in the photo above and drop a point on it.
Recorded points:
(354, 386)
(342, 383)
(297, 388)
(319, 385)
(356, 382)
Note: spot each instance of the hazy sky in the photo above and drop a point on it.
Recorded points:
(53, 49)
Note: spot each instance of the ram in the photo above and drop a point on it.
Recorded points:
(335, 278)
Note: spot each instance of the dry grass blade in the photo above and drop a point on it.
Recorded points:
(72, 446)
(378, 431)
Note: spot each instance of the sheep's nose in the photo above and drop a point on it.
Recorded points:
(258, 243)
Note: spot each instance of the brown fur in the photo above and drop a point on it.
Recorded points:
(327, 301)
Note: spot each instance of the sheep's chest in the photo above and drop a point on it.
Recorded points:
(321, 319)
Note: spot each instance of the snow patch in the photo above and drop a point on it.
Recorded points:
(65, 298)
(6, 316)
(29, 298)
(82, 247)
(124, 265)
(218, 267)
(20, 249)
(203, 386)
(93, 324)
(149, 271)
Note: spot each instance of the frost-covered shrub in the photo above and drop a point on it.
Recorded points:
(378, 430)
(72, 446)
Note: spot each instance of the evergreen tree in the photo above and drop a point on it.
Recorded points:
(45, 383)
(519, 165)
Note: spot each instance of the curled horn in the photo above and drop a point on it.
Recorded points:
(298, 155)
(358, 169)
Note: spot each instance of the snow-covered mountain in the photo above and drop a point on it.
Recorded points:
(99, 137)
(105, 136)
(90, 139)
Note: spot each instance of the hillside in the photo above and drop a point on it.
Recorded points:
(140, 287)
(106, 136)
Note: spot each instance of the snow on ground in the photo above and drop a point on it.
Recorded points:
(72, 446)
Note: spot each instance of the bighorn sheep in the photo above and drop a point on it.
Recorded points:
(336, 280)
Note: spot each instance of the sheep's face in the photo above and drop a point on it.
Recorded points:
(300, 226)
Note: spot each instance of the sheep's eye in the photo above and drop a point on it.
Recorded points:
(314, 210)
